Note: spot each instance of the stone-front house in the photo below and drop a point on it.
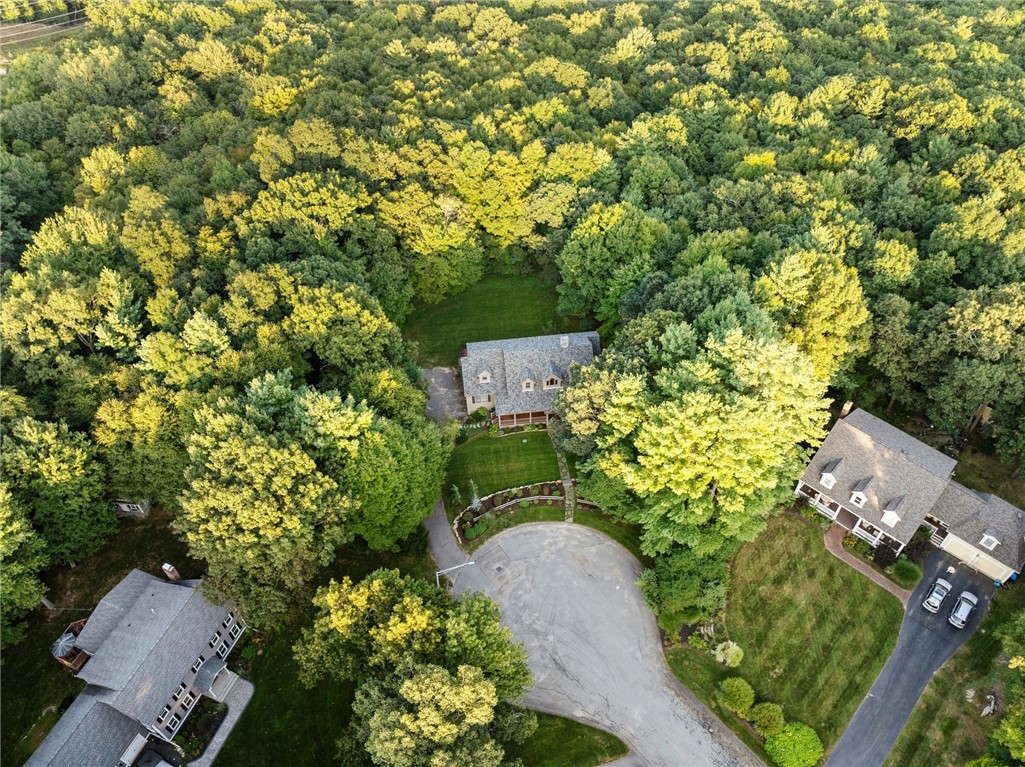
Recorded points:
(519, 378)
(148, 652)
(883, 484)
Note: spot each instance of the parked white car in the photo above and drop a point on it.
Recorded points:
(937, 594)
(963, 609)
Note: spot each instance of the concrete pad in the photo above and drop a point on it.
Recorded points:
(569, 594)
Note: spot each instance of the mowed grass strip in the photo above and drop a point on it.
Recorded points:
(945, 730)
(815, 633)
(496, 463)
(496, 307)
(559, 742)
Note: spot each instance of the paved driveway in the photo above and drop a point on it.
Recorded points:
(924, 644)
(445, 394)
(568, 593)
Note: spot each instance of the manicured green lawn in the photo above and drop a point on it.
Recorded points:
(34, 684)
(496, 307)
(559, 742)
(626, 535)
(815, 633)
(945, 730)
(496, 463)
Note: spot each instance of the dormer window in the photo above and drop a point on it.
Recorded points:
(528, 385)
(890, 518)
(989, 542)
(828, 480)
(484, 376)
(553, 382)
(858, 499)
(830, 472)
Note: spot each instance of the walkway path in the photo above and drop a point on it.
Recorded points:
(237, 701)
(569, 594)
(834, 542)
(569, 491)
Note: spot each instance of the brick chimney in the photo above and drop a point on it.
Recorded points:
(847, 407)
(171, 572)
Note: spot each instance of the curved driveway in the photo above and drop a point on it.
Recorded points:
(568, 593)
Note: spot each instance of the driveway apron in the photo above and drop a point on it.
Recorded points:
(925, 642)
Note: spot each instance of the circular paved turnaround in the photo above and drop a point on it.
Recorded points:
(569, 595)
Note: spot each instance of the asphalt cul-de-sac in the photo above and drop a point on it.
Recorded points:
(925, 642)
(569, 595)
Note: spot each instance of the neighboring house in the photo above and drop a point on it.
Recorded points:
(148, 652)
(519, 378)
(882, 484)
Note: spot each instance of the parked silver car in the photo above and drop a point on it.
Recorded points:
(937, 594)
(963, 609)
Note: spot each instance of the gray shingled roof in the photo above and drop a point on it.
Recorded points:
(899, 465)
(112, 608)
(205, 676)
(90, 734)
(143, 656)
(514, 360)
(969, 515)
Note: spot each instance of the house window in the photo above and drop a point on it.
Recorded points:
(828, 480)
(197, 664)
(528, 386)
(222, 650)
(890, 518)
(226, 622)
(480, 399)
(178, 692)
(858, 499)
(989, 542)
(165, 712)
(189, 700)
(553, 382)
(484, 377)
(235, 631)
(175, 721)
(215, 639)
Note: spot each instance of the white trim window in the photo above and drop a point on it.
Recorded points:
(989, 542)
(164, 713)
(235, 631)
(553, 382)
(828, 480)
(890, 518)
(528, 385)
(858, 499)
(189, 700)
(215, 639)
(197, 664)
(179, 691)
(484, 376)
(222, 650)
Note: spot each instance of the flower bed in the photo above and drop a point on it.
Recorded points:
(473, 520)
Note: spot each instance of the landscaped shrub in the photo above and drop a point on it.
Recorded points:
(737, 695)
(918, 548)
(697, 641)
(729, 654)
(524, 504)
(907, 573)
(768, 719)
(884, 556)
(480, 415)
(474, 530)
(862, 547)
(797, 745)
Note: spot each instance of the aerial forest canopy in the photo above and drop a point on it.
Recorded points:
(217, 211)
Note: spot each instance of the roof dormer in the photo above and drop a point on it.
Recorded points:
(989, 540)
(830, 472)
(484, 376)
(890, 515)
(858, 497)
(528, 385)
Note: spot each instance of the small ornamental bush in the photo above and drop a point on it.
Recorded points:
(906, 573)
(697, 641)
(768, 719)
(736, 695)
(884, 556)
(729, 654)
(472, 532)
(797, 745)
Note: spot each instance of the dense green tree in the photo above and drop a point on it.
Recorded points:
(53, 474)
(22, 557)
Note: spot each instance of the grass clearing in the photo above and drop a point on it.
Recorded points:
(559, 742)
(497, 463)
(815, 632)
(496, 307)
(516, 516)
(945, 730)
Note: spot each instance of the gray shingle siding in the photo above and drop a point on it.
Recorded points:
(511, 361)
